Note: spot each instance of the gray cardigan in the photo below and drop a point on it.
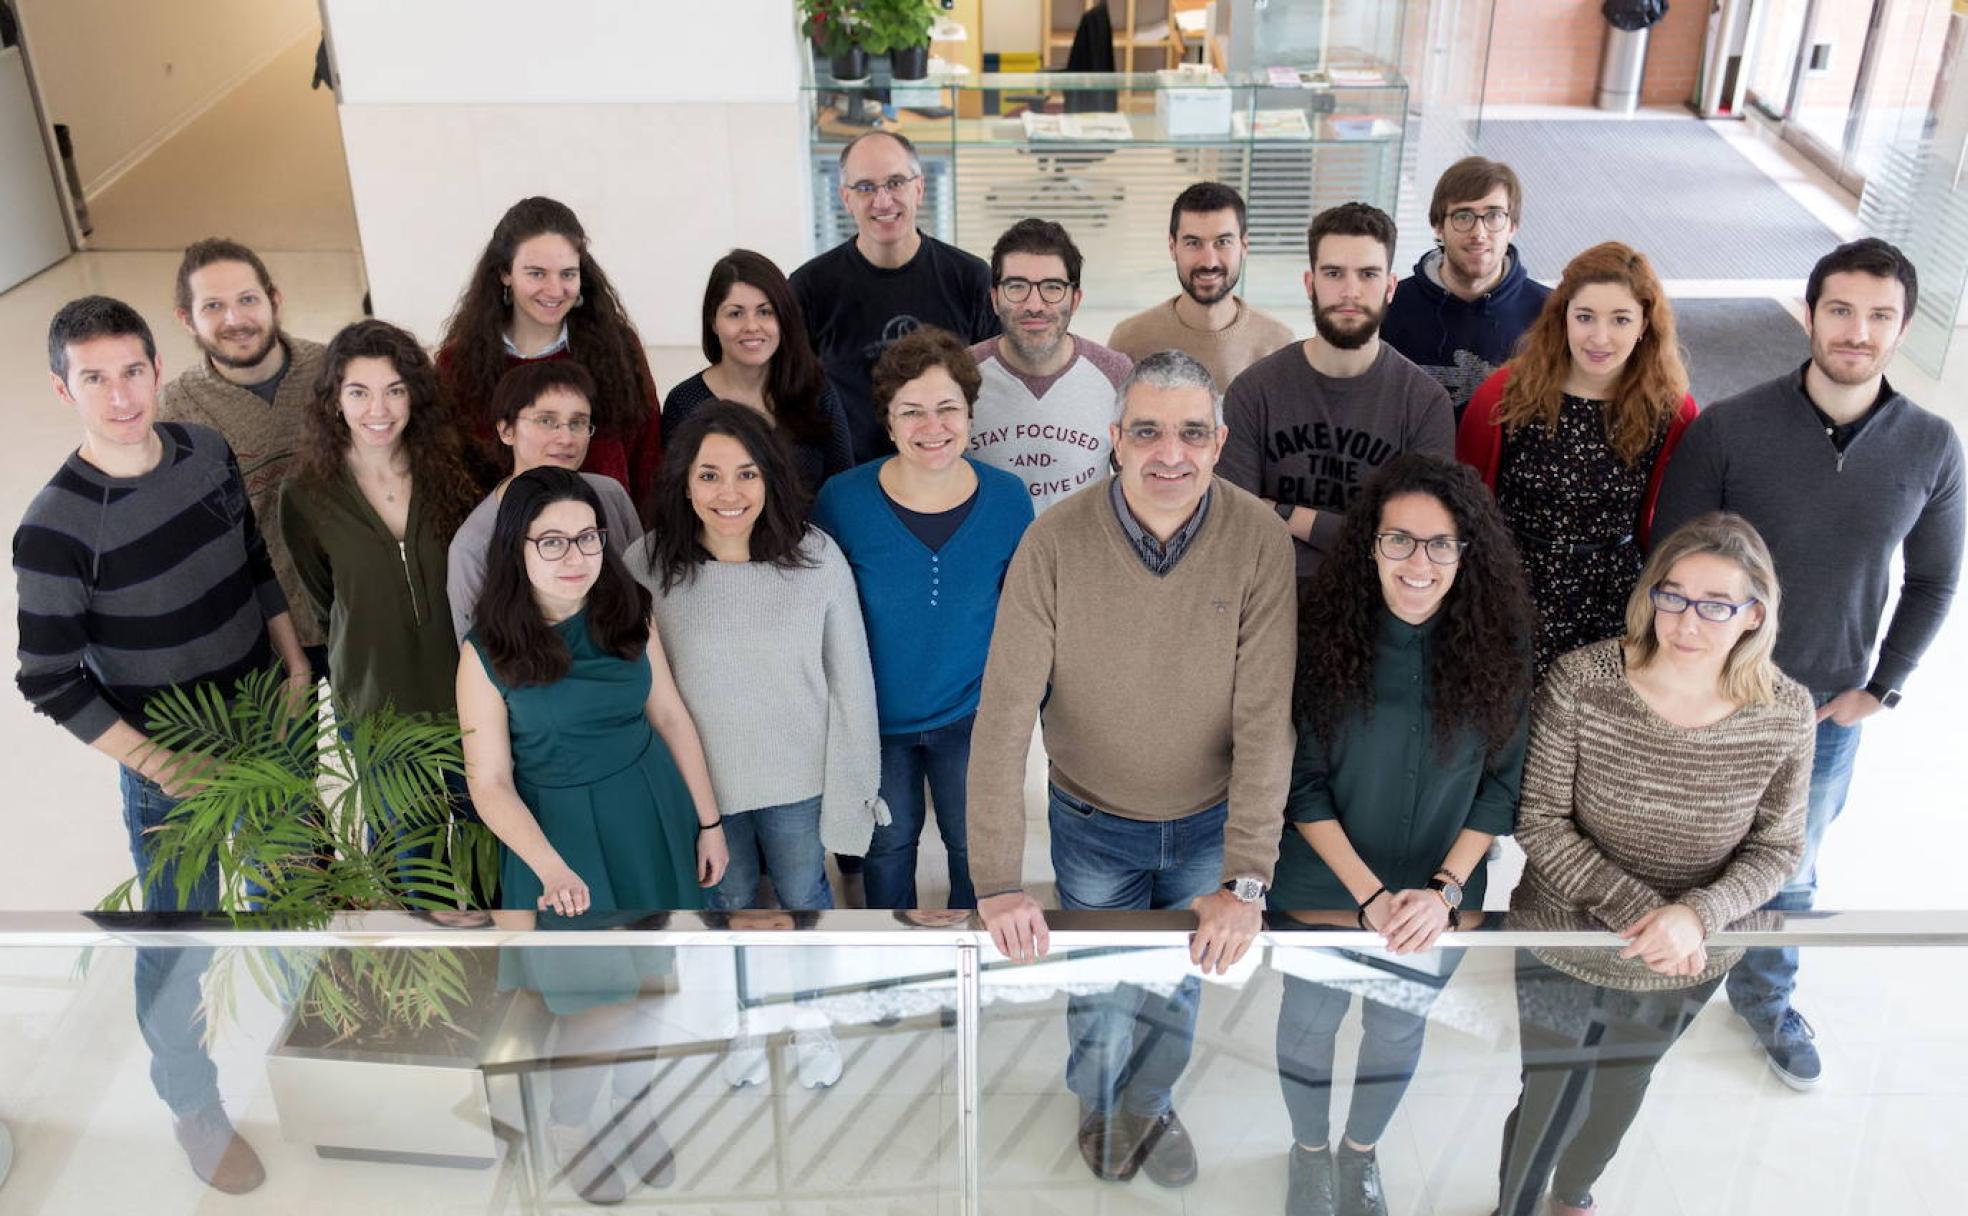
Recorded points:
(773, 664)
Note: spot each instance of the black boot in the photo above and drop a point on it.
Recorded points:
(1309, 1188)
(1357, 1178)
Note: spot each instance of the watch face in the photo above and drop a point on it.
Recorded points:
(1452, 893)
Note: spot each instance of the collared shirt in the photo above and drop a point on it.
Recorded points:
(555, 347)
(1158, 555)
(1842, 434)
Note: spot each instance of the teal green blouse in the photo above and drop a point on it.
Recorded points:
(1400, 799)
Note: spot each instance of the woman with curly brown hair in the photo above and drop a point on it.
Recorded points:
(1574, 434)
(377, 491)
(1412, 701)
(538, 293)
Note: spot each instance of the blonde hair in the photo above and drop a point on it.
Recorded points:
(1749, 674)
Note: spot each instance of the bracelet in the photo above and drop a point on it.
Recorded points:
(717, 823)
(1367, 901)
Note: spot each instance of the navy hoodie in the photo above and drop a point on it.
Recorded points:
(1460, 342)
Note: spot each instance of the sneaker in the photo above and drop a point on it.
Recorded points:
(582, 1157)
(218, 1154)
(819, 1056)
(1567, 1207)
(1309, 1186)
(649, 1156)
(1788, 1047)
(1356, 1181)
(744, 1061)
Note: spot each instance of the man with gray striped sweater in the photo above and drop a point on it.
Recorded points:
(1839, 473)
(140, 568)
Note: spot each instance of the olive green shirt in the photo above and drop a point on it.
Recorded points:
(1400, 799)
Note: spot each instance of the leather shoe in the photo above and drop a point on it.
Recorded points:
(219, 1155)
(1167, 1154)
(1102, 1148)
(1357, 1178)
(1309, 1187)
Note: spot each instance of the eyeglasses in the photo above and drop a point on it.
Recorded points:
(553, 547)
(1717, 611)
(577, 427)
(1147, 434)
(1399, 546)
(913, 414)
(1052, 291)
(893, 185)
(1462, 219)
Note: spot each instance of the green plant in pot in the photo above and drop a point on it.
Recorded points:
(836, 29)
(899, 29)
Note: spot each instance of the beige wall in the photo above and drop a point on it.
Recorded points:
(124, 75)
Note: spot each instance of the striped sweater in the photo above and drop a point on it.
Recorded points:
(129, 585)
(1624, 812)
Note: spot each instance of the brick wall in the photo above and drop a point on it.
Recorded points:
(1546, 52)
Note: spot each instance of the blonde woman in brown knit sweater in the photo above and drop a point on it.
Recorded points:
(1664, 800)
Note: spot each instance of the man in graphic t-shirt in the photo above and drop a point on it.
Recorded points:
(866, 292)
(1048, 395)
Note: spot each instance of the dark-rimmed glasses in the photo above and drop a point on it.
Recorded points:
(1462, 219)
(1400, 546)
(1675, 604)
(1052, 291)
(553, 547)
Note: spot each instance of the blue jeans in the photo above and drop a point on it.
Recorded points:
(789, 838)
(1761, 984)
(939, 757)
(1127, 1047)
(167, 980)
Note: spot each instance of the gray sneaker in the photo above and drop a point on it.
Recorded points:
(1788, 1046)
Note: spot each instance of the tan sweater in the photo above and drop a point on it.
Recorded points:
(264, 438)
(1624, 812)
(1225, 352)
(1166, 694)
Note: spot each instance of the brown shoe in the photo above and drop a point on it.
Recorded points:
(1167, 1154)
(218, 1154)
(1103, 1149)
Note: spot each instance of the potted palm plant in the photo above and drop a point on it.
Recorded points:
(900, 29)
(303, 820)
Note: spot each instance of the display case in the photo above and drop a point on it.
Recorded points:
(1105, 154)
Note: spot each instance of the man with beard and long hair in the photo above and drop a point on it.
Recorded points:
(1310, 423)
(1047, 395)
(1840, 473)
(252, 386)
(1206, 320)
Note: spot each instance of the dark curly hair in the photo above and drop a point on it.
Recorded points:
(1479, 676)
(599, 332)
(437, 468)
(912, 355)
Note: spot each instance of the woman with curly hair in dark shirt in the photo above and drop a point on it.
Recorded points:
(1413, 686)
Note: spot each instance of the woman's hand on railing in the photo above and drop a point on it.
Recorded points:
(1417, 918)
(1669, 940)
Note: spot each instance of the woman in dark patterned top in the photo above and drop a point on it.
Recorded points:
(1663, 800)
(1573, 435)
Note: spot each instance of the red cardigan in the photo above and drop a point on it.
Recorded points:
(633, 460)
(1479, 443)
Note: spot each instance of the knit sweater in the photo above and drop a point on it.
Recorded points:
(929, 612)
(464, 576)
(1226, 352)
(1624, 812)
(1052, 431)
(1833, 521)
(131, 585)
(773, 664)
(816, 462)
(1159, 697)
(263, 439)
(380, 601)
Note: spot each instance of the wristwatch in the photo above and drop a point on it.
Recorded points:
(1248, 889)
(1449, 888)
(1888, 697)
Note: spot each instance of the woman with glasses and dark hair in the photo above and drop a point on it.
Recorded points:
(760, 356)
(1574, 434)
(929, 532)
(543, 412)
(537, 292)
(377, 491)
(1412, 701)
(584, 761)
(1663, 800)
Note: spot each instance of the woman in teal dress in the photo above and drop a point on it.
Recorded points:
(584, 761)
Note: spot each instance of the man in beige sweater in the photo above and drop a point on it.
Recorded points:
(1206, 320)
(252, 386)
(1153, 615)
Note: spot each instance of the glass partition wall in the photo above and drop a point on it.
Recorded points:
(772, 1063)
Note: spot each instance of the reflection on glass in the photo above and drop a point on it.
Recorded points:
(1774, 61)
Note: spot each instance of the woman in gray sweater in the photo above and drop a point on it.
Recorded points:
(1664, 800)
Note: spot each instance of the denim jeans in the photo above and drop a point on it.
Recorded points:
(1761, 984)
(938, 757)
(167, 980)
(1390, 1048)
(1128, 1047)
(789, 839)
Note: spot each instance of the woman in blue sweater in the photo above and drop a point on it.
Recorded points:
(929, 533)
